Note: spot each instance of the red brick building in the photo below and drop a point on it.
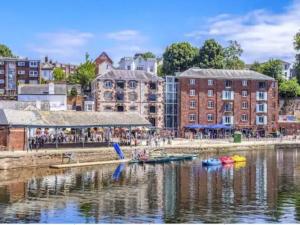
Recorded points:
(242, 99)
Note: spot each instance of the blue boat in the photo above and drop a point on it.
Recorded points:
(211, 162)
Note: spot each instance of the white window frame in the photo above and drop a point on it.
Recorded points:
(33, 64)
(226, 82)
(210, 93)
(227, 120)
(210, 82)
(261, 120)
(192, 81)
(245, 105)
(244, 83)
(2, 71)
(21, 63)
(261, 108)
(21, 72)
(33, 73)
(192, 92)
(244, 117)
(244, 93)
(108, 86)
(192, 117)
(210, 117)
(192, 104)
(227, 95)
(210, 104)
(261, 96)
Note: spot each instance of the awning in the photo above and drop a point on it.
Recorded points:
(212, 127)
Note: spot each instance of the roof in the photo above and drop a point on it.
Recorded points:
(47, 65)
(223, 74)
(129, 75)
(103, 57)
(68, 119)
(41, 89)
(16, 59)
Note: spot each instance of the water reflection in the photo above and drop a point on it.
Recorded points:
(265, 189)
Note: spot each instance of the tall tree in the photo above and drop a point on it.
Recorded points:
(256, 66)
(5, 51)
(84, 73)
(211, 55)
(179, 57)
(289, 88)
(232, 55)
(296, 68)
(272, 68)
(59, 74)
(148, 55)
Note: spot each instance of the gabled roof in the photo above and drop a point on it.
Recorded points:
(129, 75)
(18, 118)
(103, 57)
(223, 74)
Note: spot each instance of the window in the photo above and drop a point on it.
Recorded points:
(244, 105)
(210, 117)
(120, 108)
(262, 107)
(210, 93)
(132, 84)
(210, 82)
(227, 95)
(132, 96)
(1, 91)
(153, 86)
(192, 92)
(152, 97)
(273, 84)
(228, 83)
(120, 96)
(21, 63)
(108, 84)
(192, 104)
(128, 67)
(228, 107)
(210, 104)
(132, 108)
(1, 71)
(33, 73)
(107, 108)
(120, 84)
(152, 109)
(33, 64)
(261, 120)
(108, 96)
(139, 68)
(261, 95)
(1, 63)
(90, 107)
(244, 117)
(192, 82)
(261, 84)
(227, 119)
(1, 81)
(21, 72)
(244, 93)
(245, 83)
(192, 117)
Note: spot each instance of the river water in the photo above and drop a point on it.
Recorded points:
(264, 190)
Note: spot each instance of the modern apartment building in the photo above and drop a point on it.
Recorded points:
(171, 103)
(14, 71)
(241, 99)
(131, 91)
(138, 63)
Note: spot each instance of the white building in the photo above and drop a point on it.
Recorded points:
(287, 69)
(138, 63)
(55, 95)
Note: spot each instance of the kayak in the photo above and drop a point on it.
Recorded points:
(238, 158)
(226, 160)
(211, 169)
(211, 162)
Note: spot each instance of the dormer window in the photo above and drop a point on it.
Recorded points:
(108, 84)
(132, 84)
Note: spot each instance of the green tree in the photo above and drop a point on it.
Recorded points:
(84, 73)
(179, 57)
(272, 68)
(232, 55)
(256, 66)
(289, 88)
(211, 55)
(160, 71)
(73, 92)
(5, 51)
(148, 55)
(296, 68)
(59, 74)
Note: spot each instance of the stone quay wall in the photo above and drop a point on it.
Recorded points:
(45, 158)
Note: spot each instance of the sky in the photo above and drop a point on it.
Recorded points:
(65, 30)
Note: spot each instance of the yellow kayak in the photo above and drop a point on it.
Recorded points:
(238, 158)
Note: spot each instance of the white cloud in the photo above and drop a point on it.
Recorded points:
(66, 46)
(125, 35)
(261, 33)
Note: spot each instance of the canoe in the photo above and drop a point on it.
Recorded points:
(238, 158)
(158, 160)
(211, 162)
(226, 160)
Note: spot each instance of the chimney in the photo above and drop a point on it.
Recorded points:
(46, 58)
(51, 88)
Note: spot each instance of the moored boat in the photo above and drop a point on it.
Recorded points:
(226, 160)
(238, 158)
(211, 162)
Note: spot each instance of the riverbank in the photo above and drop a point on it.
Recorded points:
(47, 157)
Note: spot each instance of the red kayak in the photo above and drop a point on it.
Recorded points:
(226, 160)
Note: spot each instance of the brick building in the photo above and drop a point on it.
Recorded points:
(14, 71)
(131, 91)
(242, 99)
